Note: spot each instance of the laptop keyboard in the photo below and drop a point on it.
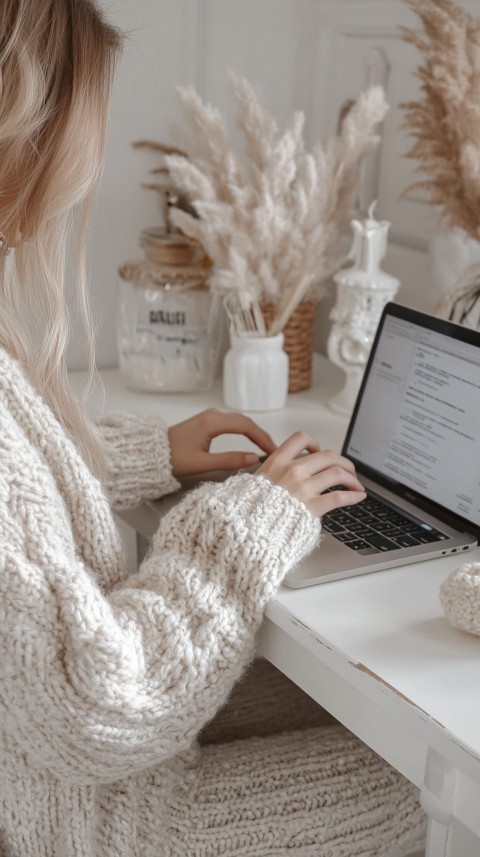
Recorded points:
(373, 526)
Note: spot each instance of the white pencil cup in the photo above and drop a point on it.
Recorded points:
(255, 373)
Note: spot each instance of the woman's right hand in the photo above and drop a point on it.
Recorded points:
(306, 477)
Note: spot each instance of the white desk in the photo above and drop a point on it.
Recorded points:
(376, 650)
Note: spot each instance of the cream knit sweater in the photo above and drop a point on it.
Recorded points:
(106, 679)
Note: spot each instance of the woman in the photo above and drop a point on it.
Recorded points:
(106, 679)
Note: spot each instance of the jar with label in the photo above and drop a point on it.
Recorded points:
(167, 317)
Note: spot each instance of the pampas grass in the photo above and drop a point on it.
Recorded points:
(445, 122)
(272, 226)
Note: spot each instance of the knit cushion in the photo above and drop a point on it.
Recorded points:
(312, 792)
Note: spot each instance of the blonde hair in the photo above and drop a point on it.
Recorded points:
(56, 65)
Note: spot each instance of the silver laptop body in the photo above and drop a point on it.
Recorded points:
(414, 438)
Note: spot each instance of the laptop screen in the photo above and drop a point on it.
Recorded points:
(417, 418)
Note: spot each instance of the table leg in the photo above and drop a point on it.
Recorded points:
(452, 841)
(437, 837)
(438, 795)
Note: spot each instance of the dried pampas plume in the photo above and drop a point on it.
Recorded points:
(272, 226)
(445, 122)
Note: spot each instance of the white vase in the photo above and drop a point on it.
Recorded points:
(255, 373)
(363, 289)
(452, 252)
(462, 303)
(455, 271)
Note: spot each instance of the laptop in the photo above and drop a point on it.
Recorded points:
(414, 437)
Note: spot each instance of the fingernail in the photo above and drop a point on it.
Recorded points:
(251, 458)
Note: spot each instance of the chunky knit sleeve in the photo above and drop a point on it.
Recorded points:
(198, 600)
(460, 597)
(103, 674)
(138, 459)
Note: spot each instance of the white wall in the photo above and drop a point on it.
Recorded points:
(157, 56)
(299, 54)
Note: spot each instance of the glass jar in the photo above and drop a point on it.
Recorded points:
(167, 325)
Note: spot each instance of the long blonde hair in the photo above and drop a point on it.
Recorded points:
(56, 65)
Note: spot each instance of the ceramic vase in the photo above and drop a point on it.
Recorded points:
(363, 289)
(255, 373)
(455, 272)
(462, 303)
(451, 253)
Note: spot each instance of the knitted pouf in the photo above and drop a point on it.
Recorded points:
(460, 597)
(317, 791)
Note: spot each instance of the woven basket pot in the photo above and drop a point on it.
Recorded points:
(299, 338)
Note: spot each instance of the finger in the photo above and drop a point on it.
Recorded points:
(335, 500)
(335, 476)
(346, 464)
(228, 460)
(294, 445)
(310, 487)
(227, 423)
(317, 462)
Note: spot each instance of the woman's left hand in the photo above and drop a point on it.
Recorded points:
(190, 442)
